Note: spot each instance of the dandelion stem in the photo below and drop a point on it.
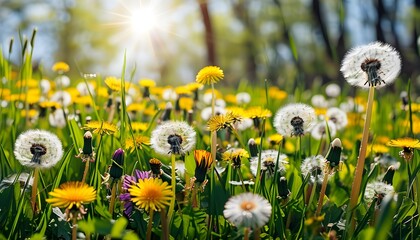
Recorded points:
(355, 191)
(164, 219)
(246, 233)
(113, 194)
(173, 183)
(74, 228)
(86, 171)
(322, 193)
(149, 225)
(34, 190)
(257, 234)
(194, 196)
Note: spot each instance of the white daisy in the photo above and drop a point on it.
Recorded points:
(376, 64)
(38, 148)
(173, 137)
(268, 162)
(338, 117)
(294, 119)
(247, 210)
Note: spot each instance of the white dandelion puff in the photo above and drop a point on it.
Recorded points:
(247, 210)
(314, 167)
(333, 90)
(173, 137)
(38, 148)
(295, 119)
(319, 130)
(376, 64)
(377, 189)
(338, 117)
(243, 98)
(268, 162)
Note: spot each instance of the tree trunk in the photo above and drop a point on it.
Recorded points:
(209, 35)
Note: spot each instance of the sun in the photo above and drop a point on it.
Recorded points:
(143, 20)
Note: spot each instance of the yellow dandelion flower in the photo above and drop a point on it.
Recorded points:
(115, 84)
(276, 93)
(377, 149)
(203, 161)
(135, 107)
(138, 142)
(382, 139)
(101, 127)
(83, 100)
(222, 121)
(230, 98)
(405, 143)
(4, 92)
(194, 86)
(103, 92)
(275, 139)
(186, 103)
(209, 75)
(217, 93)
(30, 83)
(146, 82)
(235, 156)
(30, 113)
(71, 194)
(50, 104)
(139, 126)
(157, 91)
(61, 67)
(182, 90)
(415, 107)
(258, 112)
(236, 110)
(320, 111)
(150, 111)
(150, 194)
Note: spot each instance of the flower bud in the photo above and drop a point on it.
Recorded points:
(116, 169)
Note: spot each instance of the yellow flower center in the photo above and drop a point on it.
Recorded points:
(247, 205)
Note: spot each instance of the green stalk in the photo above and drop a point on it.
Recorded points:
(34, 190)
(355, 191)
(113, 194)
(164, 219)
(322, 193)
(173, 183)
(149, 226)
(74, 228)
(85, 171)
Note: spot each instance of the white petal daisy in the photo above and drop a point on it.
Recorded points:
(294, 119)
(38, 148)
(173, 137)
(376, 64)
(247, 210)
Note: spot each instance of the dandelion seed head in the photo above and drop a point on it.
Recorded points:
(376, 64)
(313, 166)
(175, 137)
(294, 119)
(268, 162)
(338, 117)
(38, 148)
(333, 90)
(377, 189)
(319, 130)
